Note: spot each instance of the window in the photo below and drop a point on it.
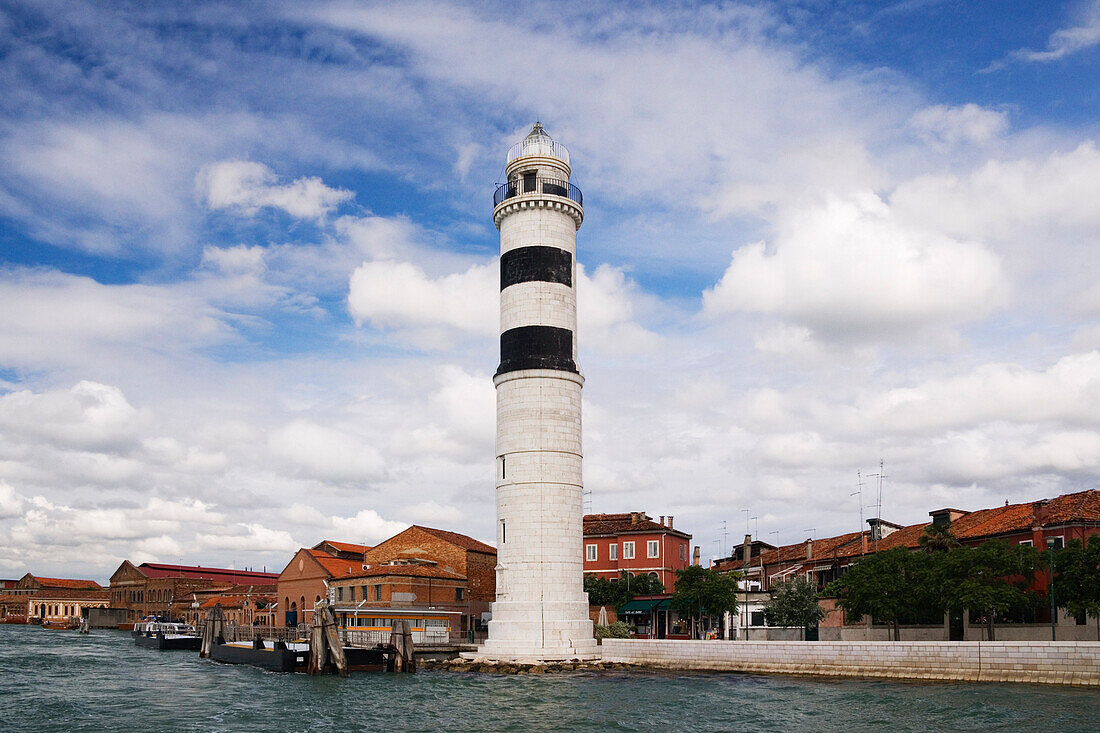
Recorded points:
(340, 593)
(628, 550)
(1056, 542)
(503, 468)
(613, 551)
(351, 592)
(378, 592)
(503, 532)
(683, 553)
(756, 618)
(590, 553)
(651, 549)
(460, 594)
(1026, 543)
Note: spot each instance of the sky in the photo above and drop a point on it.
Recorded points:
(248, 270)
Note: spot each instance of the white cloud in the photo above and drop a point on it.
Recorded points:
(851, 267)
(366, 527)
(88, 416)
(952, 125)
(325, 453)
(248, 187)
(1066, 41)
(426, 310)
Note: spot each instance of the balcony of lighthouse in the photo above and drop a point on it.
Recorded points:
(537, 192)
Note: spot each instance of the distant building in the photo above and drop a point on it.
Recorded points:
(632, 542)
(158, 589)
(302, 582)
(33, 584)
(242, 608)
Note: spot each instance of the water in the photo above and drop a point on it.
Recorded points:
(61, 680)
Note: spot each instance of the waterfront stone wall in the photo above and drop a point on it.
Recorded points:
(1071, 663)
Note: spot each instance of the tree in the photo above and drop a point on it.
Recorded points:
(1077, 578)
(937, 538)
(990, 579)
(616, 593)
(884, 586)
(701, 590)
(793, 603)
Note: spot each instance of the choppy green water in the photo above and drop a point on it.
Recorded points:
(54, 680)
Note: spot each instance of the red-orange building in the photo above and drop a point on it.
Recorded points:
(632, 542)
(302, 582)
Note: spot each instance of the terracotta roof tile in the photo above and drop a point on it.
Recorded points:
(335, 566)
(613, 524)
(344, 546)
(67, 583)
(226, 575)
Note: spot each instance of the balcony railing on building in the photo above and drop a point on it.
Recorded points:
(534, 185)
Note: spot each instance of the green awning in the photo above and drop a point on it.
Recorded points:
(664, 605)
(638, 607)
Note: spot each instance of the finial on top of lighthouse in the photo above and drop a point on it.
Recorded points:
(538, 131)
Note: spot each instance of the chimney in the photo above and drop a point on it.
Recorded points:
(746, 549)
(695, 556)
(946, 517)
(662, 520)
(1040, 513)
(863, 541)
(670, 521)
(636, 517)
(809, 549)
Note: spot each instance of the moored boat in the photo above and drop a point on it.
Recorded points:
(167, 637)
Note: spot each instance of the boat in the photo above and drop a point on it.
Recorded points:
(167, 636)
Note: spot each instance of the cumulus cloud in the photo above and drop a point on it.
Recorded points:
(400, 296)
(366, 527)
(947, 125)
(87, 416)
(249, 186)
(851, 267)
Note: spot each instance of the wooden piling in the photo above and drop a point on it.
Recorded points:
(325, 646)
(213, 631)
(404, 659)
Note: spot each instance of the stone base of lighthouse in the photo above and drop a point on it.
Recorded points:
(541, 610)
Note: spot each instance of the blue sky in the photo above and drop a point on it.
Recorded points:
(248, 278)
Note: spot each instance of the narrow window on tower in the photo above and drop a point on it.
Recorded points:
(503, 532)
(503, 467)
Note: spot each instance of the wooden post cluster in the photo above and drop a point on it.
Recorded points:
(403, 660)
(213, 631)
(325, 647)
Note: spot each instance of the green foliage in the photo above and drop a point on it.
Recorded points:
(615, 593)
(702, 590)
(883, 585)
(1077, 577)
(991, 579)
(793, 603)
(937, 538)
(616, 630)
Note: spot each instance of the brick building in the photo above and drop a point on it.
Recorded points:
(634, 543)
(34, 584)
(240, 606)
(157, 589)
(423, 567)
(302, 582)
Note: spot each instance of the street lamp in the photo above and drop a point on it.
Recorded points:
(1050, 556)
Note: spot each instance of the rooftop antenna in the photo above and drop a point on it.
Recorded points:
(812, 531)
(586, 504)
(859, 492)
(756, 527)
(723, 538)
(746, 511)
(878, 507)
(776, 533)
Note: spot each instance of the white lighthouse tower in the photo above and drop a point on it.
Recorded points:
(541, 609)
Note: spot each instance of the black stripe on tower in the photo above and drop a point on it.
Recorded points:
(540, 264)
(536, 347)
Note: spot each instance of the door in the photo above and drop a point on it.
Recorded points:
(660, 625)
(812, 633)
(955, 630)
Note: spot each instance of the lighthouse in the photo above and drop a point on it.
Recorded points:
(541, 609)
